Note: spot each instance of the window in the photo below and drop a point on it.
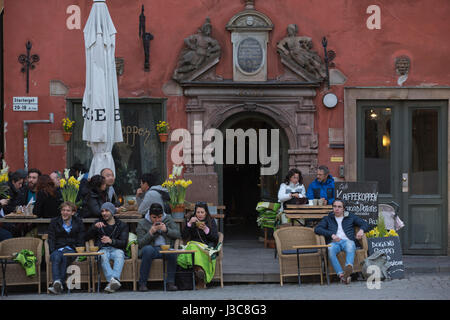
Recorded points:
(140, 152)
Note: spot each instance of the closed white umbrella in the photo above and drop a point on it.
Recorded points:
(102, 125)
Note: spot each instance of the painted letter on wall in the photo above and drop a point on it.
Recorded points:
(374, 21)
(74, 21)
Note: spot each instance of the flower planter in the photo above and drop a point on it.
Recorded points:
(178, 211)
(67, 136)
(163, 137)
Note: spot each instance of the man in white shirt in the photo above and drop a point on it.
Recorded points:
(339, 231)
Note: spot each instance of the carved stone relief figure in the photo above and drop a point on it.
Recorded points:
(296, 52)
(200, 49)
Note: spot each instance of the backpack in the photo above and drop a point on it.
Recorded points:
(183, 278)
(166, 200)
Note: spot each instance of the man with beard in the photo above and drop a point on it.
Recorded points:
(29, 191)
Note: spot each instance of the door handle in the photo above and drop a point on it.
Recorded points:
(405, 182)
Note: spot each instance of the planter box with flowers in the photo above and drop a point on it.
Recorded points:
(70, 187)
(163, 130)
(67, 125)
(177, 191)
(387, 241)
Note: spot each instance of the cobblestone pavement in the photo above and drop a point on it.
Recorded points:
(413, 286)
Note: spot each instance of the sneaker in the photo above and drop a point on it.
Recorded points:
(171, 287)
(143, 287)
(108, 288)
(114, 284)
(348, 270)
(56, 288)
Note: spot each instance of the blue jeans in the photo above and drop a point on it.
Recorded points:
(5, 234)
(344, 245)
(60, 264)
(148, 254)
(118, 258)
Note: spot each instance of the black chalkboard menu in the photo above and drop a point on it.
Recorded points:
(361, 199)
(393, 250)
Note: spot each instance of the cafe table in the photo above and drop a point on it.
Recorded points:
(177, 252)
(4, 260)
(305, 211)
(96, 255)
(304, 249)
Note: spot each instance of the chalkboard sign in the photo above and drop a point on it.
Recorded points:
(391, 246)
(361, 199)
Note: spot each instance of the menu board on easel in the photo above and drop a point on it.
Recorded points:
(361, 199)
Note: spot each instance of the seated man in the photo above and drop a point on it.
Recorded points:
(155, 230)
(322, 187)
(338, 229)
(111, 236)
(64, 234)
(108, 174)
(150, 193)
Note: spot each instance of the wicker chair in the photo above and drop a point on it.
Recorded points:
(84, 268)
(218, 274)
(360, 255)
(310, 263)
(128, 271)
(15, 274)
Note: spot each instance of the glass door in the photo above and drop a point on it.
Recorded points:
(403, 146)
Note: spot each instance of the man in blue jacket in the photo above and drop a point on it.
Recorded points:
(339, 231)
(322, 187)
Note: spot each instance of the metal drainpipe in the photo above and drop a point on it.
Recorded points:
(25, 136)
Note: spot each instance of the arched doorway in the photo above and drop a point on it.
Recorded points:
(242, 186)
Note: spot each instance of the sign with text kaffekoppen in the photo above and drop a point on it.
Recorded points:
(25, 104)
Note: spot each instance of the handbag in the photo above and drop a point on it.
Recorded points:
(378, 259)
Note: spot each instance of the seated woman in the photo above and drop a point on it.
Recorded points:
(201, 233)
(95, 197)
(48, 198)
(292, 191)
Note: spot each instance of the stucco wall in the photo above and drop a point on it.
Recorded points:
(366, 57)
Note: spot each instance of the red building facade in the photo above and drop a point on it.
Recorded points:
(388, 54)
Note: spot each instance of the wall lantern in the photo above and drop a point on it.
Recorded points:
(146, 38)
(386, 140)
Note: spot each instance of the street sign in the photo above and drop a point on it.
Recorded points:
(25, 103)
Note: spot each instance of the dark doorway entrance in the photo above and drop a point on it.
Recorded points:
(241, 186)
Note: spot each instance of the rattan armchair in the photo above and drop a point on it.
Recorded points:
(360, 255)
(128, 271)
(218, 274)
(85, 271)
(310, 263)
(15, 274)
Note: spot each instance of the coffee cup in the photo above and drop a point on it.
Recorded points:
(310, 202)
(321, 202)
(315, 202)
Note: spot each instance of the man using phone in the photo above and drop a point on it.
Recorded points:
(155, 230)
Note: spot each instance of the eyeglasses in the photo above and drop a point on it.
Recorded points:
(335, 206)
